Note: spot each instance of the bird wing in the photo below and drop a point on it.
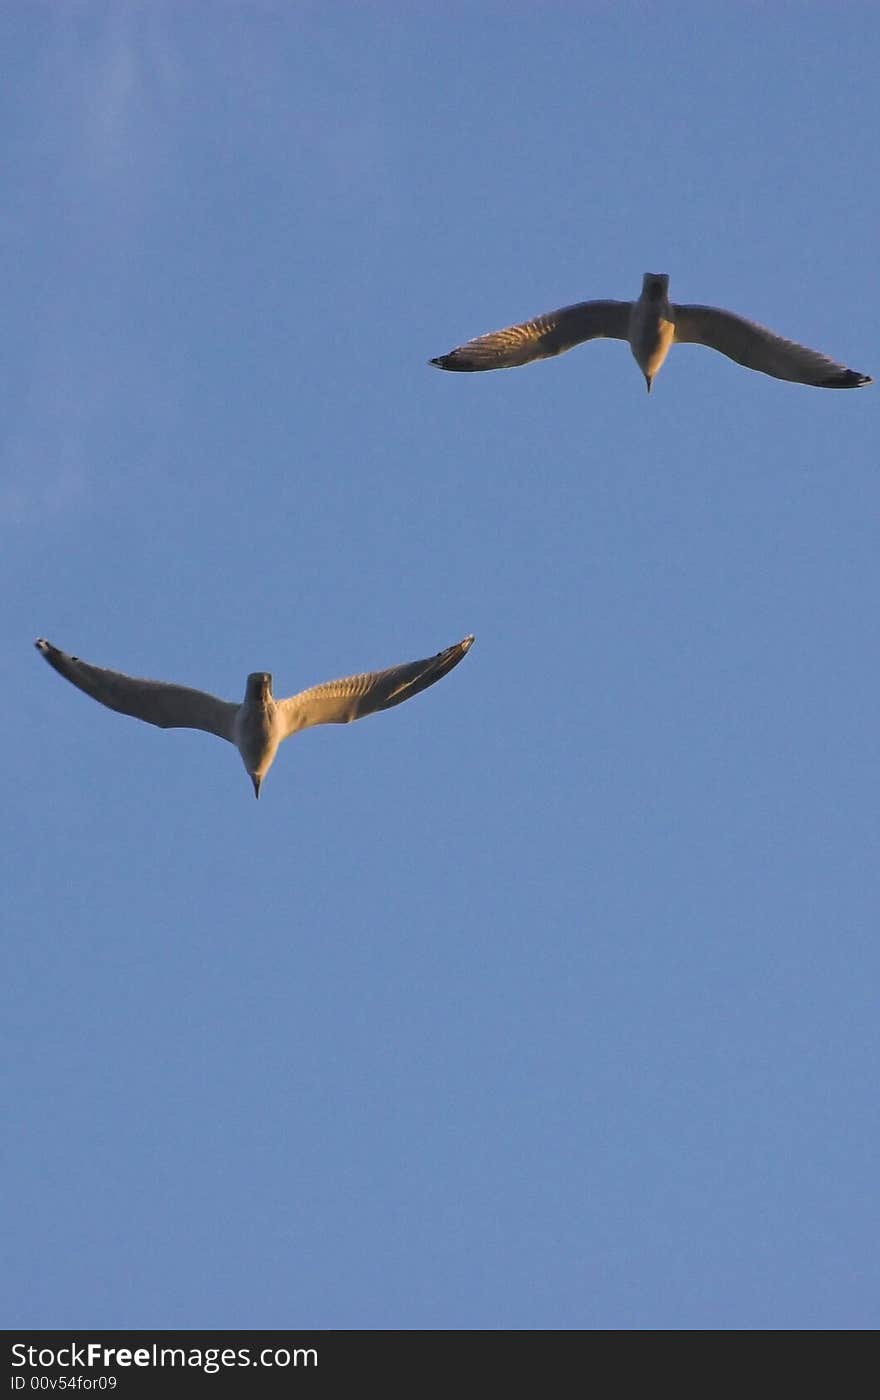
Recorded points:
(757, 348)
(168, 706)
(544, 336)
(339, 702)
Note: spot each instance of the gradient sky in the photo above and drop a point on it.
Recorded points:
(548, 999)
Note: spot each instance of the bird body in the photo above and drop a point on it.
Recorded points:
(258, 727)
(652, 324)
(651, 328)
(259, 724)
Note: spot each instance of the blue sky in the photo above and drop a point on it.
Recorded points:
(550, 998)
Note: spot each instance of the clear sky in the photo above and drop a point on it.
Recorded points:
(548, 999)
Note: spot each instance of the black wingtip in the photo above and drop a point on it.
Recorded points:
(52, 655)
(846, 379)
(453, 361)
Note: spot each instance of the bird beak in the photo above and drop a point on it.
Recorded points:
(256, 782)
(648, 382)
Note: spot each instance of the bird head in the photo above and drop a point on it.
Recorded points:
(655, 285)
(259, 686)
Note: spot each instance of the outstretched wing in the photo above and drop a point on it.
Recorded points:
(339, 702)
(168, 706)
(544, 336)
(757, 348)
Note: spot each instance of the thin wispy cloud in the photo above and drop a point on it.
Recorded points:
(84, 151)
(97, 171)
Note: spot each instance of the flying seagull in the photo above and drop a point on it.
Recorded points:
(260, 722)
(651, 325)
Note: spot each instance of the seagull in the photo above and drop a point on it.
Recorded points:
(260, 722)
(651, 325)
